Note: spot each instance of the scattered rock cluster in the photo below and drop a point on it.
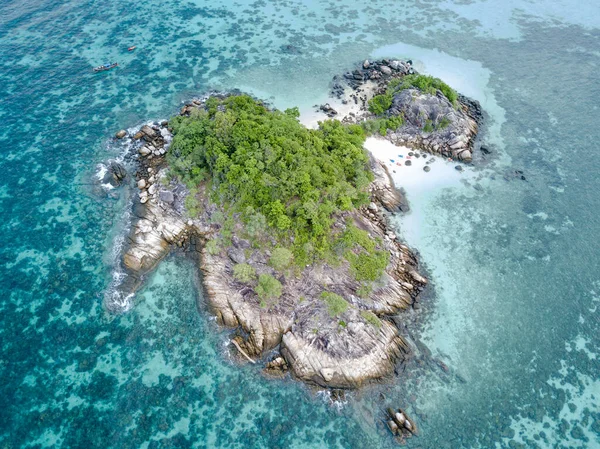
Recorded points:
(276, 367)
(327, 109)
(147, 177)
(372, 71)
(359, 85)
(400, 424)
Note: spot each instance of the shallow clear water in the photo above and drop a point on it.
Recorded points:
(514, 263)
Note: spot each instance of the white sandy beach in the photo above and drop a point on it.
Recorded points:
(412, 178)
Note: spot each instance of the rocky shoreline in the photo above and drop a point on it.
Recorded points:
(457, 141)
(333, 359)
(345, 351)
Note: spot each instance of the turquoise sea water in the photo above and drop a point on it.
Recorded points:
(514, 263)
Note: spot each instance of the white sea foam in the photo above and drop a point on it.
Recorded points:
(326, 397)
(101, 171)
(114, 298)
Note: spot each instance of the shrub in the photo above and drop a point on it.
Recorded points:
(281, 258)
(443, 123)
(381, 125)
(371, 318)
(192, 206)
(368, 267)
(213, 247)
(256, 223)
(227, 228)
(428, 126)
(364, 290)
(217, 217)
(244, 273)
(367, 263)
(380, 103)
(424, 83)
(268, 287)
(336, 305)
(394, 122)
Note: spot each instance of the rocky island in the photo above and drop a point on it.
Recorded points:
(289, 225)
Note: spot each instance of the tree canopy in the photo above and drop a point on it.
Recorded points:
(271, 169)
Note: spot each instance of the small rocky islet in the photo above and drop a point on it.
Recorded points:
(327, 317)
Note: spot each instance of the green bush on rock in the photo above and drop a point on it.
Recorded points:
(381, 125)
(427, 84)
(268, 287)
(192, 206)
(243, 272)
(371, 318)
(364, 290)
(336, 305)
(380, 103)
(213, 247)
(367, 263)
(281, 258)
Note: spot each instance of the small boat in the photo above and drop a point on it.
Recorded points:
(398, 163)
(104, 67)
(133, 47)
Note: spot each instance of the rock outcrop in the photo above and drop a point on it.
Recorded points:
(342, 350)
(433, 124)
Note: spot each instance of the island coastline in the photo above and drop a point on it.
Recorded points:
(160, 224)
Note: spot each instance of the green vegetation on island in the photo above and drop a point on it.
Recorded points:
(278, 178)
(336, 305)
(371, 318)
(268, 288)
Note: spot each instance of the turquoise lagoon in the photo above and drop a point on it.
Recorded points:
(514, 264)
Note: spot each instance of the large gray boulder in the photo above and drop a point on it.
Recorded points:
(434, 124)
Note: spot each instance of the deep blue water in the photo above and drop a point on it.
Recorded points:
(515, 264)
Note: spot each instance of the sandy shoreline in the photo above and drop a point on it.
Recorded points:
(413, 178)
